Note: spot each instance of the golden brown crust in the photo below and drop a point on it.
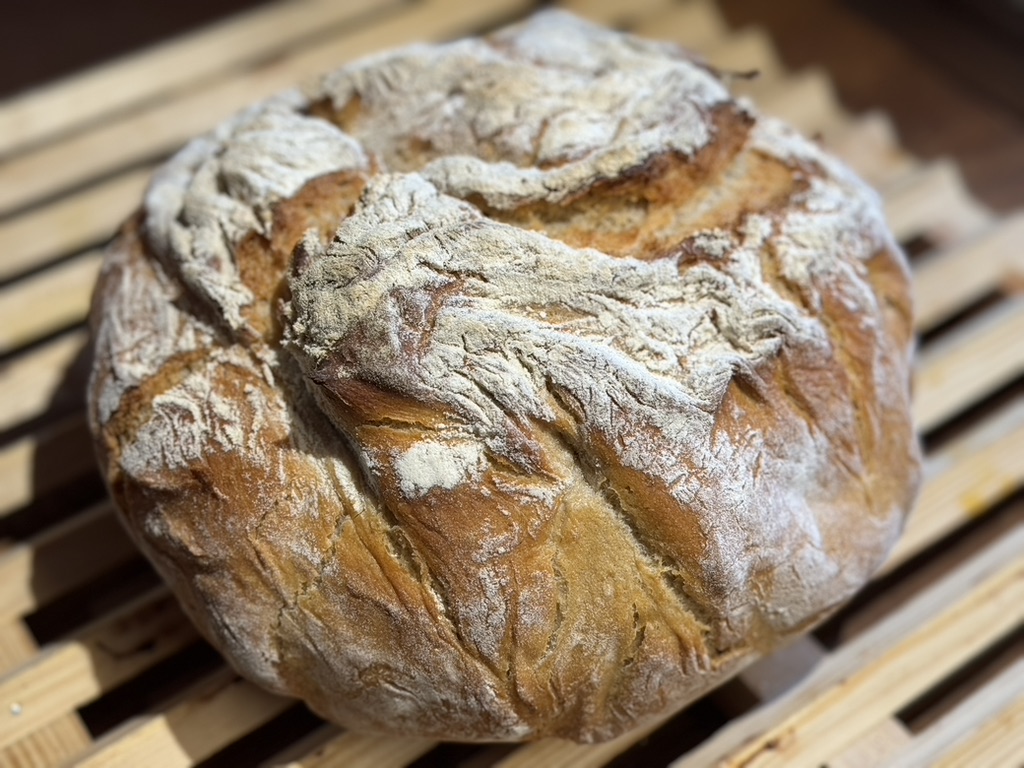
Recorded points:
(458, 403)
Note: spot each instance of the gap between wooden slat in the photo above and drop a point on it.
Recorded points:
(985, 726)
(210, 716)
(964, 480)
(29, 382)
(47, 302)
(164, 127)
(66, 449)
(947, 281)
(933, 201)
(85, 218)
(220, 47)
(61, 558)
(69, 673)
(977, 358)
(870, 678)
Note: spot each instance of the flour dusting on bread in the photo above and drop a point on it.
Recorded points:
(521, 386)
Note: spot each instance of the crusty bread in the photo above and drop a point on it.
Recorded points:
(522, 386)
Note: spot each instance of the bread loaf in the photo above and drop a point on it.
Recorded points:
(522, 386)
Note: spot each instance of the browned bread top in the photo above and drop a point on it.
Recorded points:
(526, 385)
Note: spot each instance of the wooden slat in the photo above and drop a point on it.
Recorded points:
(47, 302)
(163, 127)
(695, 24)
(29, 382)
(746, 50)
(16, 645)
(854, 690)
(357, 750)
(950, 280)
(566, 754)
(868, 679)
(612, 13)
(999, 743)
(961, 368)
(964, 480)
(56, 741)
(39, 463)
(868, 144)
(213, 714)
(78, 221)
(806, 100)
(933, 201)
(53, 744)
(985, 729)
(67, 555)
(239, 40)
(878, 746)
(70, 673)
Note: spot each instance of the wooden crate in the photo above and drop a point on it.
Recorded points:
(97, 664)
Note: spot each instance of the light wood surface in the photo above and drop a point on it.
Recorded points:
(870, 678)
(243, 40)
(356, 750)
(70, 175)
(76, 221)
(72, 672)
(985, 729)
(208, 717)
(65, 450)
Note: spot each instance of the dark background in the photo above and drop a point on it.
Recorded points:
(949, 72)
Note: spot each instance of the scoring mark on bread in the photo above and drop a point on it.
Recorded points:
(537, 294)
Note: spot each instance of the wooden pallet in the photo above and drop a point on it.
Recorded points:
(97, 664)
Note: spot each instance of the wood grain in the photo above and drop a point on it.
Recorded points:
(871, 677)
(242, 39)
(210, 716)
(814, 704)
(72, 672)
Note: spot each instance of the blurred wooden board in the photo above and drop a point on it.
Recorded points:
(948, 607)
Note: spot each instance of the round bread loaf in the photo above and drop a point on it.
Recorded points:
(522, 386)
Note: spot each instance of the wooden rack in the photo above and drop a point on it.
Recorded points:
(98, 666)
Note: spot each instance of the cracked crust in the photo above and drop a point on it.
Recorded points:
(517, 387)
